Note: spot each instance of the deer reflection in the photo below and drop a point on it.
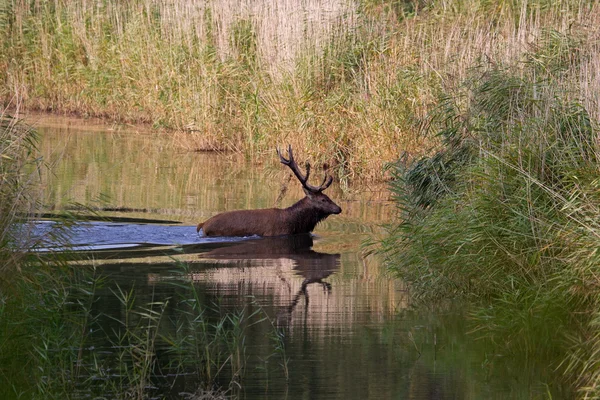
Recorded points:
(313, 266)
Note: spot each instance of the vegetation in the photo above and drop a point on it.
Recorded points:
(18, 167)
(58, 338)
(349, 87)
(504, 213)
(494, 106)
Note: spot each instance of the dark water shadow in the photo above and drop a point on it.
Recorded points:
(118, 219)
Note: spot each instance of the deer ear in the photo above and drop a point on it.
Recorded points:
(308, 193)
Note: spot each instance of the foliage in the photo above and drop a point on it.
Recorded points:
(346, 87)
(56, 340)
(18, 174)
(504, 213)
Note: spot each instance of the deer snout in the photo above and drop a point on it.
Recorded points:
(337, 210)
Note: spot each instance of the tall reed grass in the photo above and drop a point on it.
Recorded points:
(504, 212)
(348, 82)
(54, 341)
(19, 167)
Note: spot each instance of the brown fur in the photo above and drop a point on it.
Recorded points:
(302, 217)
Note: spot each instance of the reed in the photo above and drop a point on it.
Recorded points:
(54, 339)
(503, 213)
(347, 83)
(18, 176)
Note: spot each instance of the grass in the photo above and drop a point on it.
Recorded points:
(57, 339)
(18, 174)
(349, 86)
(504, 212)
(58, 335)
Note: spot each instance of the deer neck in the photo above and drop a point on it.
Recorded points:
(302, 217)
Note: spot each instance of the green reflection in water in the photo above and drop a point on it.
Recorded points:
(346, 328)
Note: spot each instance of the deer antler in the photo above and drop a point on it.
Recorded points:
(304, 178)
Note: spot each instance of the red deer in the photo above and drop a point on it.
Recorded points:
(301, 217)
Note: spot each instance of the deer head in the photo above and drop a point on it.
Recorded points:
(315, 195)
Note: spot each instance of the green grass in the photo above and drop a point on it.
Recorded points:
(504, 212)
(18, 175)
(56, 339)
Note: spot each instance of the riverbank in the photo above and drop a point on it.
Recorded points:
(505, 215)
(350, 86)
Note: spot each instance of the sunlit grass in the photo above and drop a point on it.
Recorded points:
(349, 84)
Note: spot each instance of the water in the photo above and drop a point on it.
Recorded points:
(346, 327)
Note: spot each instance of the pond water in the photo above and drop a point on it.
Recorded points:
(343, 328)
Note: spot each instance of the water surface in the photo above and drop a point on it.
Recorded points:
(347, 328)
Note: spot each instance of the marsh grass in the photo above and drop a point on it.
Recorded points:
(210, 346)
(504, 213)
(56, 341)
(346, 82)
(63, 345)
(18, 176)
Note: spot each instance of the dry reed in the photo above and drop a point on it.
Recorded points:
(349, 83)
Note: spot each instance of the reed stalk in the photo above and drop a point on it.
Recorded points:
(346, 82)
(504, 212)
(19, 175)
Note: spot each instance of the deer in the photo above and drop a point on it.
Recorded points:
(301, 217)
